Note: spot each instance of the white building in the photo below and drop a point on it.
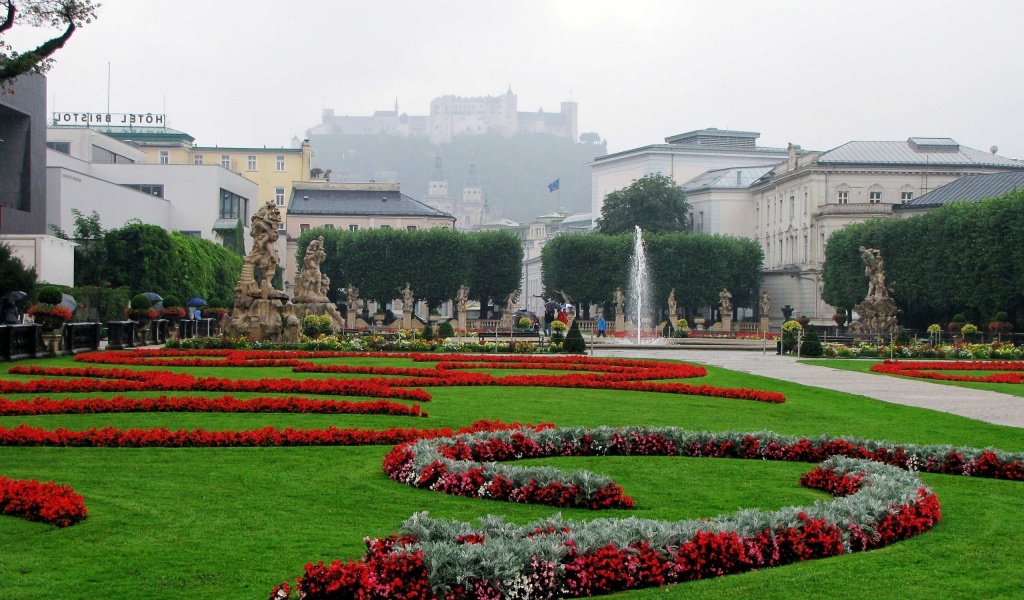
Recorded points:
(89, 171)
(720, 200)
(801, 202)
(681, 157)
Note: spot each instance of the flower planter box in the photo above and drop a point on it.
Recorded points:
(120, 334)
(20, 341)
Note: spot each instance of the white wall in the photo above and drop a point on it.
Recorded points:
(53, 258)
(115, 204)
(83, 139)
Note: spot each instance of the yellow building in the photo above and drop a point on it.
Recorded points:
(272, 169)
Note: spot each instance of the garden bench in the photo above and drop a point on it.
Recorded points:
(533, 337)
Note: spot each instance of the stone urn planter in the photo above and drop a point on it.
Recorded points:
(699, 321)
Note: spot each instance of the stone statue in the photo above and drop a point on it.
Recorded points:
(325, 284)
(263, 256)
(310, 281)
(874, 269)
(877, 311)
(766, 303)
(619, 300)
(407, 299)
(511, 301)
(566, 298)
(352, 297)
(672, 305)
(725, 299)
(462, 299)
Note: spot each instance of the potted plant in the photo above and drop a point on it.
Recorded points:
(840, 317)
(969, 330)
(172, 311)
(379, 316)
(314, 326)
(141, 311)
(790, 333)
(698, 320)
(214, 309)
(523, 324)
(959, 320)
(434, 316)
(48, 312)
(803, 320)
(1000, 323)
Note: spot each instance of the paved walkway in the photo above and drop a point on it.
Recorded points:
(992, 407)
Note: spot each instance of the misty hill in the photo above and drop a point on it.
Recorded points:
(514, 172)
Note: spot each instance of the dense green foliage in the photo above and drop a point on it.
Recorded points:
(146, 258)
(589, 267)
(140, 302)
(654, 202)
(434, 262)
(963, 257)
(811, 346)
(14, 277)
(50, 294)
(445, 330)
(101, 303)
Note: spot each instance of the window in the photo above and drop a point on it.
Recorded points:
(281, 226)
(197, 159)
(792, 207)
(844, 197)
(62, 147)
(806, 249)
(191, 234)
(353, 227)
(304, 227)
(385, 227)
(280, 162)
(875, 197)
(233, 206)
(806, 202)
(279, 196)
(411, 228)
(147, 188)
(251, 162)
(225, 161)
(165, 157)
(906, 197)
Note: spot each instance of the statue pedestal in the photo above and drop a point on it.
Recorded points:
(620, 323)
(727, 323)
(462, 321)
(764, 325)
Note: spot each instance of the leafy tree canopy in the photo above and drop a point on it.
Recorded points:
(14, 277)
(68, 15)
(653, 202)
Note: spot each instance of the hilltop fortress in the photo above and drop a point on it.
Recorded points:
(451, 116)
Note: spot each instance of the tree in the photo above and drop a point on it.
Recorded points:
(589, 137)
(14, 277)
(66, 14)
(497, 263)
(653, 202)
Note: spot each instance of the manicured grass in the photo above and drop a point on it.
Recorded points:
(864, 366)
(233, 522)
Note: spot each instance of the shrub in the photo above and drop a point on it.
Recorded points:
(969, 330)
(139, 302)
(1001, 316)
(557, 337)
(682, 324)
(574, 340)
(316, 325)
(215, 302)
(524, 323)
(558, 326)
(790, 331)
(172, 301)
(428, 332)
(445, 330)
(811, 345)
(902, 338)
(50, 294)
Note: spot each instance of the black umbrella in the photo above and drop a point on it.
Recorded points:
(552, 305)
(13, 297)
(196, 302)
(156, 299)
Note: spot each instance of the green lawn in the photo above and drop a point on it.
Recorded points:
(864, 366)
(231, 523)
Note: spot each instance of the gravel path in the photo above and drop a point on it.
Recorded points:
(991, 407)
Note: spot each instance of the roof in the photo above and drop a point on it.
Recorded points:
(502, 223)
(147, 136)
(578, 218)
(244, 149)
(350, 202)
(729, 178)
(712, 136)
(915, 151)
(971, 188)
(766, 152)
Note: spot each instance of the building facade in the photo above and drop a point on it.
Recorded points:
(23, 157)
(802, 201)
(682, 157)
(451, 116)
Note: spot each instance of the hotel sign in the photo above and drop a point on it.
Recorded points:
(86, 119)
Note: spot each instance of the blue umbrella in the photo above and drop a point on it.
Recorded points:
(156, 299)
(196, 302)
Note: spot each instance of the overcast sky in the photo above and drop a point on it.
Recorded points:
(816, 73)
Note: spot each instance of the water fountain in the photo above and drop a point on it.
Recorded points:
(639, 284)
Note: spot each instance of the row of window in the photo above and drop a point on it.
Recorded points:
(225, 160)
(874, 197)
(351, 227)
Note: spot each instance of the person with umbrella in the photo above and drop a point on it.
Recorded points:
(8, 310)
(549, 316)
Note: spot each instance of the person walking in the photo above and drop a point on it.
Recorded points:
(602, 326)
(549, 317)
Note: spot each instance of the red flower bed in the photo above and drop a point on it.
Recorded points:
(223, 404)
(45, 502)
(111, 437)
(395, 566)
(929, 370)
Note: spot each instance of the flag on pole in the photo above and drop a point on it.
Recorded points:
(553, 185)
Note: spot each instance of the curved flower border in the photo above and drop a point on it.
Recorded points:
(47, 502)
(928, 370)
(466, 465)
(435, 558)
(223, 404)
